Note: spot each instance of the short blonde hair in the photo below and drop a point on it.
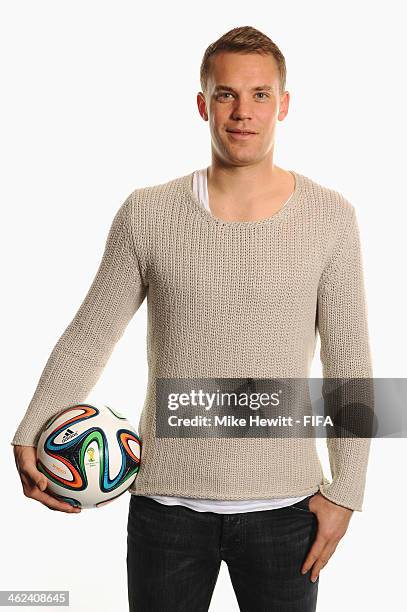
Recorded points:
(244, 39)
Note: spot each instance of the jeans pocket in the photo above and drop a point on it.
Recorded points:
(302, 505)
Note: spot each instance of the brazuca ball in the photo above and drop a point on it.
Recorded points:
(90, 455)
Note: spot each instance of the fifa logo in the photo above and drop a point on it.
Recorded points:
(91, 454)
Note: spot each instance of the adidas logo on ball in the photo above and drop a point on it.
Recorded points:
(69, 434)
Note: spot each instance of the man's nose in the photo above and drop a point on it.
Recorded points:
(241, 110)
(241, 114)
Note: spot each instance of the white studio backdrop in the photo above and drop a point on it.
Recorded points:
(98, 99)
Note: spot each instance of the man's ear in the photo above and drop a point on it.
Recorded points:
(201, 102)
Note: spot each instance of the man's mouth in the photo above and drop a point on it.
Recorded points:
(240, 134)
(240, 131)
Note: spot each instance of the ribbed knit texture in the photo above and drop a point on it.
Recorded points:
(225, 299)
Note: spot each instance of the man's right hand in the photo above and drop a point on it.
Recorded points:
(35, 482)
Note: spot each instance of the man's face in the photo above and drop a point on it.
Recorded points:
(243, 94)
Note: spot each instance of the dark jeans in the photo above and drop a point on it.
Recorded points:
(174, 555)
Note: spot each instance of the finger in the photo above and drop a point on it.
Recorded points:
(37, 477)
(317, 568)
(314, 553)
(51, 502)
(36, 483)
(322, 561)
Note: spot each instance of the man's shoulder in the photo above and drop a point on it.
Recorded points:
(327, 200)
(159, 191)
(323, 193)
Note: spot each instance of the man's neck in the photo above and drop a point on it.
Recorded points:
(248, 193)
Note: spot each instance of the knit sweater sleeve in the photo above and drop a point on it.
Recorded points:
(345, 353)
(82, 351)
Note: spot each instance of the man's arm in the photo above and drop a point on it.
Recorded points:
(345, 354)
(78, 358)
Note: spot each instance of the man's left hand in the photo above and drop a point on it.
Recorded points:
(333, 521)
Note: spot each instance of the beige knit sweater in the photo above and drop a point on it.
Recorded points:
(225, 299)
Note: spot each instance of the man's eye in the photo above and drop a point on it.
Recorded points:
(259, 93)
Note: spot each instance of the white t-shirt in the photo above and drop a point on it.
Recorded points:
(200, 189)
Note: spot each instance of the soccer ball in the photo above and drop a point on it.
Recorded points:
(90, 455)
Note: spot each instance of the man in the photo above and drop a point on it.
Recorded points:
(242, 264)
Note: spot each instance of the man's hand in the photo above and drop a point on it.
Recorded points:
(34, 482)
(333, 521)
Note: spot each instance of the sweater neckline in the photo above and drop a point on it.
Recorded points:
(195, 204)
